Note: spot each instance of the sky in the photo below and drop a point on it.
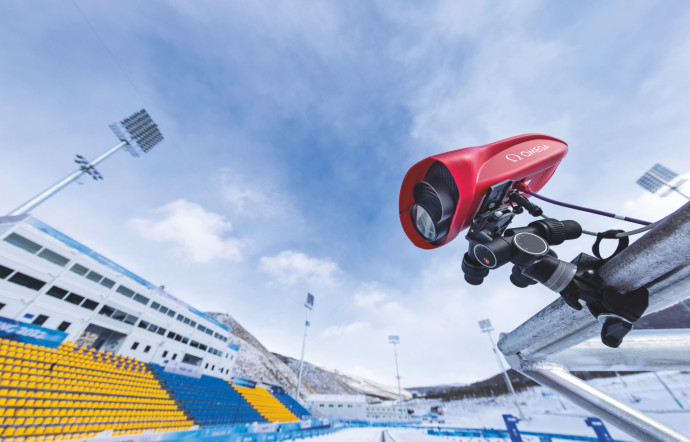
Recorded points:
(289, 127)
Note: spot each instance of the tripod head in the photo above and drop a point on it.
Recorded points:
(492, 245)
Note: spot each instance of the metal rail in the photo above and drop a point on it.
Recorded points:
(559, 338)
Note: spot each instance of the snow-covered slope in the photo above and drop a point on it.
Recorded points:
(331, 381)
(255, 362)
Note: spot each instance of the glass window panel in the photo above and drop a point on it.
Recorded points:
(171, 313)
(180, 317)
(23, 243)
(53, 257)
(186, 320)
(40, 319)
(64, 325)
(109, 283)
(143, 324)
(141, 298)
(89, 304)
(130, 319)
(79, 269)
(125, 291)
(73, 298)
(185, 340)
(57, 292)
(5, 272)
(93, 276)
(119, 315)
(163, 309)
(106, 311)
(155, 305)
(161, 331)
(152, 328)
(27, 281)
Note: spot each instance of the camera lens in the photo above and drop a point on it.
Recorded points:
(435, 198)
(423, 222)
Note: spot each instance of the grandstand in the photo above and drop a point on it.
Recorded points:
(88, 348)
(74, 392)
(209, 401)
(268, 406)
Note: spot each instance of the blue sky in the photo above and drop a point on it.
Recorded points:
(289, 127)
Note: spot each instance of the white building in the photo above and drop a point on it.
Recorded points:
(388, 411)
(355, 407)
(338, 406)
(50, 280)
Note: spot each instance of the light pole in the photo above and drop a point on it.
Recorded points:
(659, 176)
(485, 325)
(309, 304)
(679, 403)
(395, 340)
(137, 130)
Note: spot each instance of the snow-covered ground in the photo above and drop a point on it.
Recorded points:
(546, 411)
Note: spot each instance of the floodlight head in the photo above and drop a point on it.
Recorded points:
(137, 130)
(310, 301)
(485, 325)
(394, 339)
(656, 177)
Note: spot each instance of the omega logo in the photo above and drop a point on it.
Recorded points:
(514, 157)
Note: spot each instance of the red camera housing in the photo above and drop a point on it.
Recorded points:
(530, 158)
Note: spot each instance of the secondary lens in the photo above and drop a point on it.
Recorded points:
(423, 222)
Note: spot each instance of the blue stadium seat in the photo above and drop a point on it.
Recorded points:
(209, 401)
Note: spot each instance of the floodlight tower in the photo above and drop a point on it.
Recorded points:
(485, 326)
(395, 340)
(659, 176)
(136, 132)
(309, 304)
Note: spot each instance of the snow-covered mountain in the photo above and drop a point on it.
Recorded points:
(255, 362)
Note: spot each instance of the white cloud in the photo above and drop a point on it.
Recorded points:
(341, 330)
(290, 268)
(248, 199)
(199, 235)
(370, 296)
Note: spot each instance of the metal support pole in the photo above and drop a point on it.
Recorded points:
(507, 379)
(642, 350)
(619, 414)
(668, 389)
(397, 374)
(301, 359)
(620, 378)
(52, 190)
